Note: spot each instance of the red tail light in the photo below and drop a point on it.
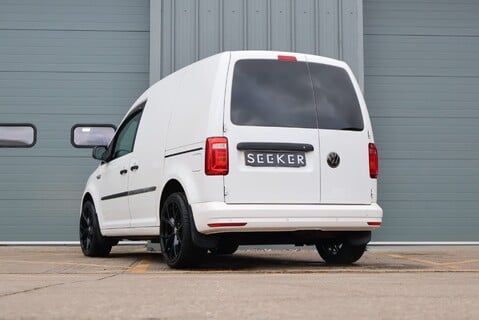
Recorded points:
(373, 161)
(216, 160)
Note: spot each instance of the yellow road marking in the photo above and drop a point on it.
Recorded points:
(437, 264)
(140, 267)
(448, 265)
(461, 262)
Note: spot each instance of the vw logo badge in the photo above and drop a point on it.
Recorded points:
(333, 160)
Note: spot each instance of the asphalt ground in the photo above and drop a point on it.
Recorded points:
(387, 283)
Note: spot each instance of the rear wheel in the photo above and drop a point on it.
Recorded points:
(225, 247)
(340, 251)
(176, 243)
(92, 243)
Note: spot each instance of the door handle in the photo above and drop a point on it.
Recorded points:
(134, 168)
(123, 172)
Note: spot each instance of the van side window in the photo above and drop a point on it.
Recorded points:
(125, 139)
(17, 135)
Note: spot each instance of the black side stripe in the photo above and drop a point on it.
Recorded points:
(129, 193)
(182, 152)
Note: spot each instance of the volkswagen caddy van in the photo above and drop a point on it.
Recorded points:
(241, 148)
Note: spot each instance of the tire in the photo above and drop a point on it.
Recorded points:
(225, 247)
(92, 243)
(339, 251)
(177, 246)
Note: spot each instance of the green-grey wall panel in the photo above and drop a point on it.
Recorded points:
(93, 15)
(393, 17)
(184, 31)
(232, 31)
(209, 36)
(305, 29)
(421, 80)
(62, 63)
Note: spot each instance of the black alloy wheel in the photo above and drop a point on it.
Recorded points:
(92, 243)
(172, 230)
(176, 243)
(337, 251)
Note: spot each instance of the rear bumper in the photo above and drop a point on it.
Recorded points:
(211, 217)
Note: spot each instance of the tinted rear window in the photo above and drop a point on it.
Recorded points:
(272, 93)
(293, 94)
(338, 106)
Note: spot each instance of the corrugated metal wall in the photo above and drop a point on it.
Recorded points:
(184, 31)
(61, 63)
(422, 89)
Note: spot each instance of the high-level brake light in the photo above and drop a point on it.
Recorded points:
(287, 58)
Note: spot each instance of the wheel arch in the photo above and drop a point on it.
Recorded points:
(87, 196)
(172, 186)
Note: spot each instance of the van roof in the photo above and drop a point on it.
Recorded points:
(251, 54)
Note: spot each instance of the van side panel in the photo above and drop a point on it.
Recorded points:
(197, 113)
(149, 153)
(198, 103)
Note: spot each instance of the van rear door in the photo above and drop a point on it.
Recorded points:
(271, 125)
(343, 124)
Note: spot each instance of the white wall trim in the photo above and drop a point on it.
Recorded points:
(61, 243)
(360, 44)
(155, 40)
(424, 243)
(373, 243)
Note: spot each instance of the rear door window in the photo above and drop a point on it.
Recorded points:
(274, 93)
(338, 105)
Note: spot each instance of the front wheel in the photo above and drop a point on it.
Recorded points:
(340, 251)
(176, 243)
(92, 243)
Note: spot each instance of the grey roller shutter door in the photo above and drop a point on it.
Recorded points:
(422, 89)
(61, 63)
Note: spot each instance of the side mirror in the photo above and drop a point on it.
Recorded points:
(99, 153)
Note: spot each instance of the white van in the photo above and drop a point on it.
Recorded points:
(246, 147)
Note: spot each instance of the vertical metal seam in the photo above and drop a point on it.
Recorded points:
(269, 31)
(155, 41)
(340, 29)
(160, 56)
(221, 32)
(245, 24)
(360, 18)
(293, 29)
(197, 33)
(172, 40)
(316, 26)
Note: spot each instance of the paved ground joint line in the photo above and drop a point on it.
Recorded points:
(31, 290)
(58, 263)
